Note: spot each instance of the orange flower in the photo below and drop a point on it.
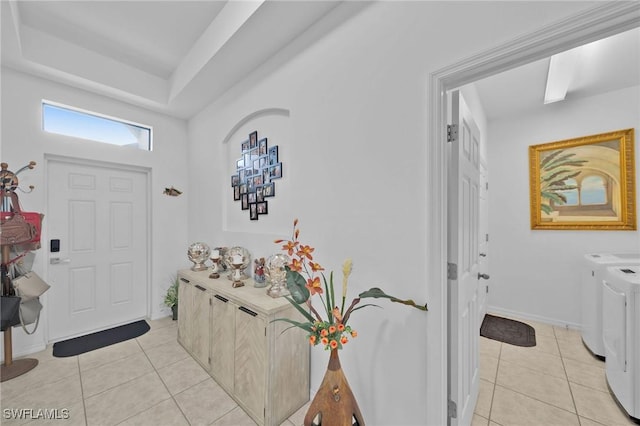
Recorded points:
(341, 327)
(314, 286)
(295, 236)
(290, 246)
(312, 340)
(354, 333)
(334, 344)
(305, 251)
(324, 341)
(296, 265)
(332, 329)
(324, 332)
(315, 267)
(344, 340)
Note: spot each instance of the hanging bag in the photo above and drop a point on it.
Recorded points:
(20, 227)
(16, 229)
(29, 313)
(29, 286)
(20, 263)
(9, 311)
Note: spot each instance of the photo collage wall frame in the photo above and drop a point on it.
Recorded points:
(257, 169)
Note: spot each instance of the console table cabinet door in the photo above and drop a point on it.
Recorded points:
(193, 319)
(201, 336)
(185, 324)
(250, 360)
(223, 332)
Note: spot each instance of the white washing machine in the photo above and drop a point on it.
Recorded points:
(591, 285)
(621, 335)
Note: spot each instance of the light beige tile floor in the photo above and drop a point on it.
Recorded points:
(557, 382)
(150, 380)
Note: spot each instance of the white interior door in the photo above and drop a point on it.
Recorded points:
(463, 231)
(99, 277)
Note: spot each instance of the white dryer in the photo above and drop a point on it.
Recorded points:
(621, 335)
(593, 272)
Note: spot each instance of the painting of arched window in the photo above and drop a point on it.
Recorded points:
(593, 191)
(584, 183)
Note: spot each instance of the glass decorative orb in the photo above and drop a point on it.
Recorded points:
(277, 274)
(246, 260)
(198, 253)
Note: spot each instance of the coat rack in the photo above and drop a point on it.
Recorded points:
(11, 368)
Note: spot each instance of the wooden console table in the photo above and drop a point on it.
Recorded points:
(230, 332)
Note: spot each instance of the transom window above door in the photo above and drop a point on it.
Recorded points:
(92, 126)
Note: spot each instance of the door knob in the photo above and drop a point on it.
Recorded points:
(58, 261)
(483, 276)
(483, 254)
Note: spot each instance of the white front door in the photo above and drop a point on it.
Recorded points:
(99, 276)
(463, 212)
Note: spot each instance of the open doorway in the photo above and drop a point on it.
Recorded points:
(600, 80)
(597, 23)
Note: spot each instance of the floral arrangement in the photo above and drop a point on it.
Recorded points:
(303, 282)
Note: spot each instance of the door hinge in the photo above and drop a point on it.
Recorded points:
(210, 302)
(486, 237)
(452, 409)
(452, 132)
(452, 271)
(209, 360)
(487, 289)
(486, 185)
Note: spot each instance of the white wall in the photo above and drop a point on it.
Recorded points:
(536, 274)
(23, 141)
(354, 158)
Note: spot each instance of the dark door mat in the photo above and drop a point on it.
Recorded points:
(90, 342)
(508, 331)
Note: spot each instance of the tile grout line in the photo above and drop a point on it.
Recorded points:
(568, 340)
(237, 406)
(84, 406)
(564, 368)
(184, 390)
(582, 385)
(171, 396)
(123, 383)
(495, 383)
(529, 396)
(569, 383)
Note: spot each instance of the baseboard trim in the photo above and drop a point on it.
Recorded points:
(27, 350)
(532, 317)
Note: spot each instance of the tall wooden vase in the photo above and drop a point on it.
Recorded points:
(334, 404)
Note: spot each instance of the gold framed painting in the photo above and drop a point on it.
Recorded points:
(586, 183)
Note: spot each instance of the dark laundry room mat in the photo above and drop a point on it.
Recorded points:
(100, 339)
(508, 331)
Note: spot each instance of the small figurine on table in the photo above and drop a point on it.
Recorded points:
(258, 272)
